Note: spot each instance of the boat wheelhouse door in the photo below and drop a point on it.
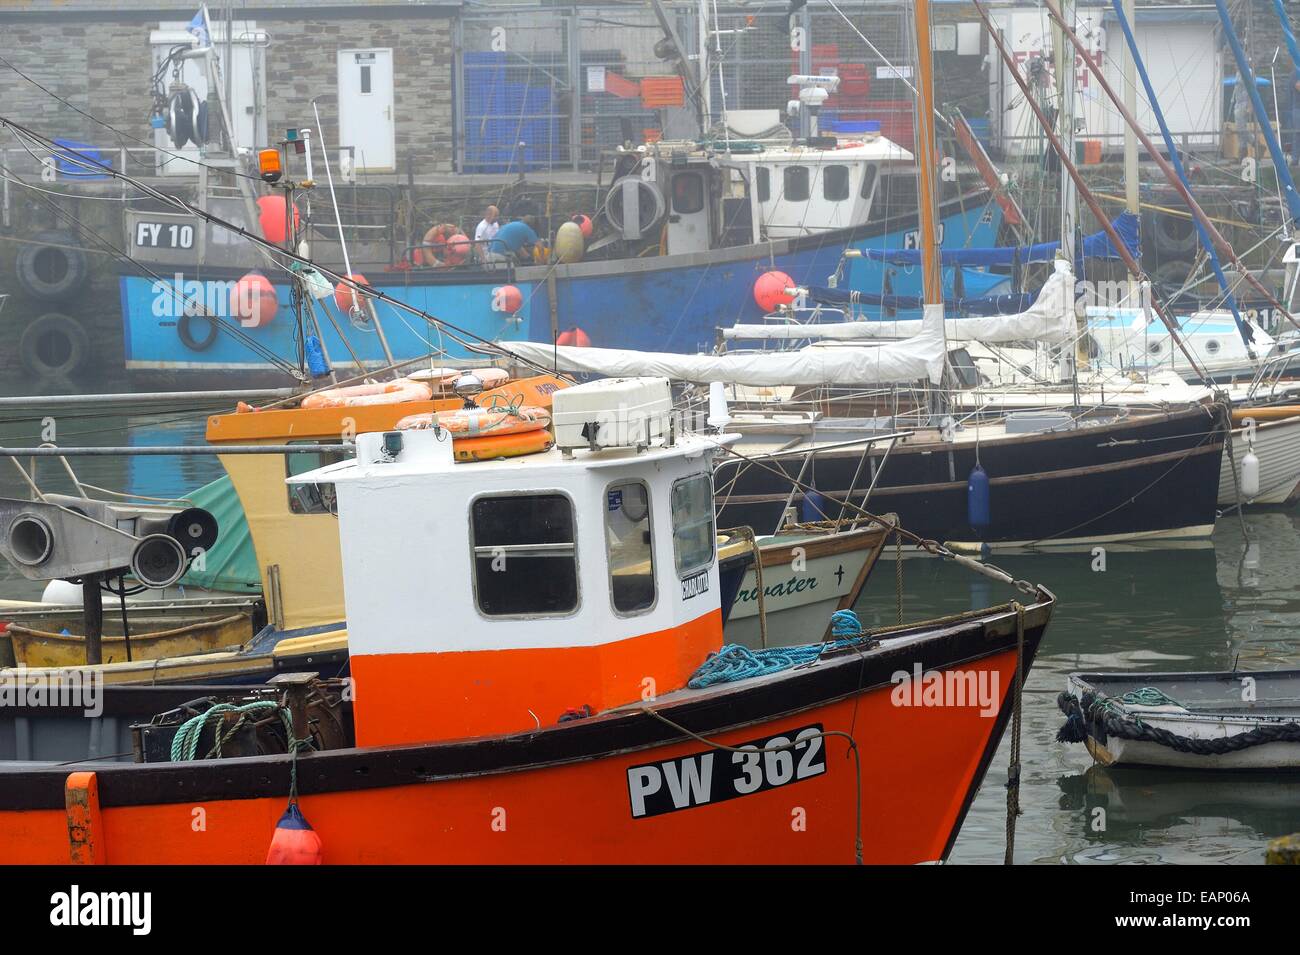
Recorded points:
(691, 207)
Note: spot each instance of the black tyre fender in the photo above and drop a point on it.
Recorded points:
(51, 268)
(185, 329)
(1172, 234)
(53, 346)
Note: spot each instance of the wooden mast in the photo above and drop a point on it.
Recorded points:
(927, 163)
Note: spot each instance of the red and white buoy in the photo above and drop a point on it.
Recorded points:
(574, 336)
(345, 297)
(507, 298)
(772, 290)
(253, 300)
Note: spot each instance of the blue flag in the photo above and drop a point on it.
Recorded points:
(199, 28)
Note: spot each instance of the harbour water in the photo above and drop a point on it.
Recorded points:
(1212, 605)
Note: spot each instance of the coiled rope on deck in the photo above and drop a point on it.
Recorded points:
(1096, 709)
(735, 662)
(185, 744)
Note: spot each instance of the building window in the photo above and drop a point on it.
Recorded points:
(365, 79)
(795, 188)
(835, 183)
(688, 192)
(525, 555)
(630, 547)
(868, 181)
(312, 498)
(764, 184)
(693, 536)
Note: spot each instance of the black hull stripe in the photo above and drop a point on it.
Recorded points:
(718, 710)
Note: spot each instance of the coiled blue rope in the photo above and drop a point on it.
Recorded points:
(734, 662)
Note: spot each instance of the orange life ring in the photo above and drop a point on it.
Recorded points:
(380, 393)
(434, 250)
(468, 423)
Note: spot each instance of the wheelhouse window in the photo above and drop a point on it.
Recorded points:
(688, 192)
(629, 547)
(764, 180)
(525, 555)
(795, 184)
(693, 535)
(868, 181)
(835, 183)
(312, 498)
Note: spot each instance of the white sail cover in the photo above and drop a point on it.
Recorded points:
(921, 356)
(1050, 319)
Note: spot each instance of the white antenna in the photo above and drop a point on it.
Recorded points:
(338, 223)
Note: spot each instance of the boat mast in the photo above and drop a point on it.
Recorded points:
(927, 169)
(1066, 160)
(1066, 80)
(1247, 76)
(1170, 174)
(1131, 200)
(1134, 60)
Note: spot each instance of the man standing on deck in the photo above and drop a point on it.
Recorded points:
(486, 230)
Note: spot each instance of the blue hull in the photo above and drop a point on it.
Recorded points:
(673, 303)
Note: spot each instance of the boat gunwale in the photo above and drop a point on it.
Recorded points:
(714, 711)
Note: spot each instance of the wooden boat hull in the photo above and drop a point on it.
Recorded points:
(804, 582)
(626, 786)
(1211, 711)
(37, 641)
(1144, 477)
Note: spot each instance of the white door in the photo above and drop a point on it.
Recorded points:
(366, 108)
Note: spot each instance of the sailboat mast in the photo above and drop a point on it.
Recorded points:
(927, 162)
(1131, 202)
(1068, 161)
(1169, 173)
(1065, 93)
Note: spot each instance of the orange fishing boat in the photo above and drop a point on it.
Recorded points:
(519, 695)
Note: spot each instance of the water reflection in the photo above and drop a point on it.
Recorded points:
(1200, 606)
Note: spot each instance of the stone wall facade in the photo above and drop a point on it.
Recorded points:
(99, 62)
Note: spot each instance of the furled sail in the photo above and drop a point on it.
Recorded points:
(1049, 319)
(921, 356)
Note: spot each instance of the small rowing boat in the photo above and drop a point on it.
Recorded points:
(1221, 721)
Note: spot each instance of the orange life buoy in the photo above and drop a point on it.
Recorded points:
(482, 434)
(480, 422)
(434, 250)
(380, 393)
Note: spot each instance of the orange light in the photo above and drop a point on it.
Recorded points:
(268, 164)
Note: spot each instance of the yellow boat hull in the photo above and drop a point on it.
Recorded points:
(35, 647)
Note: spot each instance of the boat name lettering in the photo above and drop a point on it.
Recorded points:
(795, 585)
(718, 774)
(695, 585)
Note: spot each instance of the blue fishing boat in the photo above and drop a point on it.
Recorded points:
(684, 233)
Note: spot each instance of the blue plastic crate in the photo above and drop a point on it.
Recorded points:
(72, 157)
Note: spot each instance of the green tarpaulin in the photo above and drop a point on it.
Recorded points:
(231, 564)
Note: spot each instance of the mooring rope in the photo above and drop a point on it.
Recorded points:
(1013, 766)
(1098, 710)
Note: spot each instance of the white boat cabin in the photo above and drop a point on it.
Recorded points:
(495, 596)
(694, 199)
